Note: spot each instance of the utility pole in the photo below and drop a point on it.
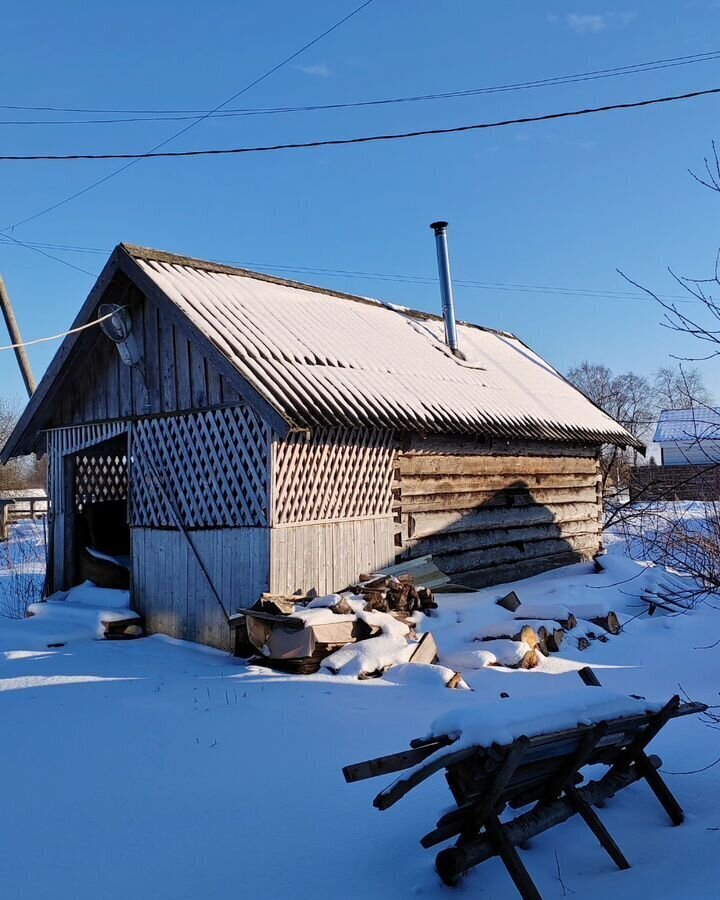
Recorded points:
(16, 339)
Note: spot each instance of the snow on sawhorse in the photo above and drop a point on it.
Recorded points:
(497, 756)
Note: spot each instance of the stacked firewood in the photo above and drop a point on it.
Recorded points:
(396, 595)
(541, 629)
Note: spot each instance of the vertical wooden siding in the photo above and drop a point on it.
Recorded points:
(327, 556)
(170, 590)
(177, 375)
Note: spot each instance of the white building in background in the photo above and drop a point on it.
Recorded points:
(688, 436)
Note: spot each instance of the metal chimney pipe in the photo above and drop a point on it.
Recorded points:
(446, 292)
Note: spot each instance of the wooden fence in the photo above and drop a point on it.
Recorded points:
(674, 483)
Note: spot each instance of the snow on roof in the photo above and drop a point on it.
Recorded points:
(323, 358)
(688, 425)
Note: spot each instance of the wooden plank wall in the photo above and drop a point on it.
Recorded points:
(178, 376)
(491, 512)
(170, 590)
(327, 556)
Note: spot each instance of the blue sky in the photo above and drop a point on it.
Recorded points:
(562, 204)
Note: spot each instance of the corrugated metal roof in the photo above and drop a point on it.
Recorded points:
(321, 358)
(688, 425)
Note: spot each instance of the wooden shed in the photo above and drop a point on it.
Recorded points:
(226, 433)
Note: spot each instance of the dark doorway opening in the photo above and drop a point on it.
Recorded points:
(101, 534)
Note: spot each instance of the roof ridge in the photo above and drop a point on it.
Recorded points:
(150, 254)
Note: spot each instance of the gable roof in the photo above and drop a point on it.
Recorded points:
(310, 357)
(688, 425)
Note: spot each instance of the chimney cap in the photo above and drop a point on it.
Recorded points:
(438, 226)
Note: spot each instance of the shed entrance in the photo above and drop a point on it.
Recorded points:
(90, 535)
(102, 533)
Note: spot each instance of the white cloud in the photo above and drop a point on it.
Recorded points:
(593, 23)
(319, 70)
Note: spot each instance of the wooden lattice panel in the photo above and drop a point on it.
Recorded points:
(100, 477)
(210, 469)
(62, 442)
(340, 473)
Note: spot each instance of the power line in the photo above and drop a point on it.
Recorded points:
(56, 337)
(512, 287)
(170, 115)
(338, 142)
(135, 158)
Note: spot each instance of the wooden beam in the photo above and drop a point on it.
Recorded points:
(592, 820)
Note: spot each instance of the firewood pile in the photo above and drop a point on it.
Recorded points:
(535, 630)
(363, 631)
(395, 595)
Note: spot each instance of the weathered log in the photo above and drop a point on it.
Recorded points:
(488, 499)
(451, 521)
(462, 482)
(453, 861)
(464, 463)
(489, 575)
(464, 561)
(457, 541)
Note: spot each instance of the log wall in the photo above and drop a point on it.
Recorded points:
(491, 512)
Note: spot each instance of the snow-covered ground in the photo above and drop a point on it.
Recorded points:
(154, 769)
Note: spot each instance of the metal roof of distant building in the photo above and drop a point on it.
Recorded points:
(688, 425)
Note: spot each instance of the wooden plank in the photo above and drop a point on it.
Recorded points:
(469, 560)
(430, 466)
(463, 483)
(457, 541)
(151, 356)
(489, 446)
(424, 524)
(592, 820)
(394, 762)
(182, 370)
(509, 855)
(660, 789)
(491, 499)
(516, 571)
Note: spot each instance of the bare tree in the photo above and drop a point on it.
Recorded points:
(679, 387)
(628, 398)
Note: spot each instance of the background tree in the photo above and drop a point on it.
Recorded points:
(628, 398)
(679, 387)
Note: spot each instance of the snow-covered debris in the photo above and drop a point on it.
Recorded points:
(500, 652)
(93, 608)
(423, 675)
(368, 657)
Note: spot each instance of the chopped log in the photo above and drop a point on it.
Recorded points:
(280, 604)
(610, 623)
(510, 601)
(554, 639)
(583, 643)
(426, 650)
(456, 681)
(528, 661)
